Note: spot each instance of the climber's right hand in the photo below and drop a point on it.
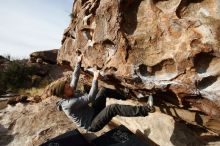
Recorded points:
(96, 74)
(79, 58)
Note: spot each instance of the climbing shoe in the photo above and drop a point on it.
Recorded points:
(150, 104)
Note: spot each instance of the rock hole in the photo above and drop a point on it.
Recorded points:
(73, 34)
(206, 82)
(195, 43)
(110, 48)
(156, 1)
(166, 97)
(109, 71)
(87, 33)
(109, 45)
(143, 70)
(124, 4)
(112, 68)
(129, 16)
(66, 65)
(202, 61)
(164, 64)
(183, 5)
(165, 70)
(83, 2)
(108, 42)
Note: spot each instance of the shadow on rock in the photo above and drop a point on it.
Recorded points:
(6, 138)
(144, 137)
(179, 138)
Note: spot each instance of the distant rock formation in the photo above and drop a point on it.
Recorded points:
(3, 62)
(49, 56)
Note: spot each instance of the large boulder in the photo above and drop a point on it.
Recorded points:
(26, 124)
(48, 56)
(3, 60)
(151, 46)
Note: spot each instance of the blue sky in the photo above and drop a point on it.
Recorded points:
(32, 25)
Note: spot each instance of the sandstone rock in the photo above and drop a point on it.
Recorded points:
(34, 99)
(17, 99)
(3, 103)
(33, 124)
(25, 124)
(49, 56)
(151, 46)
(43, 74)
(160, 128)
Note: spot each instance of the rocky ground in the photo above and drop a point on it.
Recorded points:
(33, 123)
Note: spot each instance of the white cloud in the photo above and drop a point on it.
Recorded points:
(27, 26)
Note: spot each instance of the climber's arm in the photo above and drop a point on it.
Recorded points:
(76, 73)
(92, 93)
(84, 100)
(94, 89)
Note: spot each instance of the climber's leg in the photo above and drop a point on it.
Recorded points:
(114, 94)
(115, 109)
(100, 101)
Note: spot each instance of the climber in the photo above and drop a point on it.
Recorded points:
(88, 110)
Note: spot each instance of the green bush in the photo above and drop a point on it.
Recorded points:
(16, 75)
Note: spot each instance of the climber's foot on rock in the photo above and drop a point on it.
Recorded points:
(151, 109)
(150, 105)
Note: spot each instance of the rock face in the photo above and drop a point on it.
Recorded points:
(151, 46)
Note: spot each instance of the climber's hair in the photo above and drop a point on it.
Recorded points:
(58, 88)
